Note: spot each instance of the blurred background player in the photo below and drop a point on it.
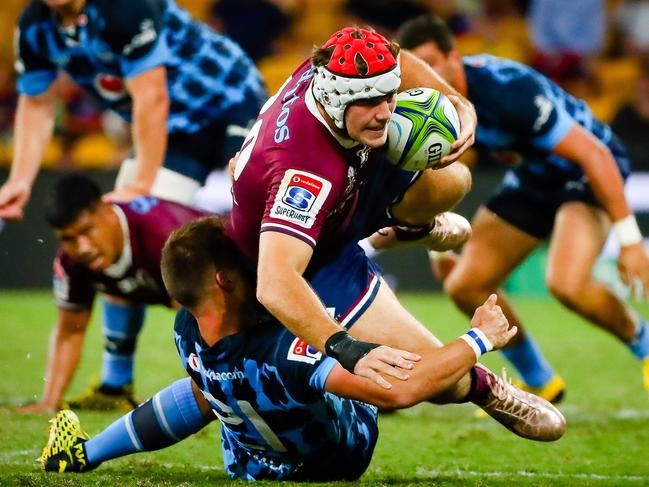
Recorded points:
(287, 412)
(567, 183)
(114, 248)
(189, 93)
(310, 183)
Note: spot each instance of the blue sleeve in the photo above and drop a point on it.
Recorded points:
(303, 368)
(35, 71)
(184, 334)
(532, 110)
(135, 32)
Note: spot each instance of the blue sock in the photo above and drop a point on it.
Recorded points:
(166, 418)
(530, 363)
(122, 324)
(639, 344)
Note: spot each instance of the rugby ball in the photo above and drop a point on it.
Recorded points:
(422, 128)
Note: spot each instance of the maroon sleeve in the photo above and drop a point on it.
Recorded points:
(299, 201)
(72, 286)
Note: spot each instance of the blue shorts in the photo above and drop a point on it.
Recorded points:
(384, 187)
(347, 285)
(196, 155)
(344, 278)
(531, 203)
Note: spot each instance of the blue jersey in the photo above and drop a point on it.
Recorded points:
(522, 116)
(114, 40)
(277, 421)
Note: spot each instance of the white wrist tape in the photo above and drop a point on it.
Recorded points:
(627, 231)
(478, 342)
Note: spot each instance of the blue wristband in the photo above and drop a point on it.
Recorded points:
(478, 342)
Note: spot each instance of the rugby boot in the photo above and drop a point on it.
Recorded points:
(449, 232)
(522, 413)
(99, 397)
(645, 373)
(65, 450)
(554, 391)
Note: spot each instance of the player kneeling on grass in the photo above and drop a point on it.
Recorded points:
(287, 411)
(113, 248)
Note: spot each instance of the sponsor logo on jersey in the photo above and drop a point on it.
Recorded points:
(196, 366)
(193, 362)
(545, 107)
(363, 154)
(110, 87)
(299, 351)
(282, 132)
(146, 35)
(143, 204)
(300, 197)
(221, 376)
(302, 192)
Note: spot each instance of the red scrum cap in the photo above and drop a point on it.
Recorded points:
(350, 43)
(361, 67)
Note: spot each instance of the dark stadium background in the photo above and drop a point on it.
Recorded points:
(280, 33)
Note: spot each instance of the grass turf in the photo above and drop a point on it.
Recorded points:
(607, 442)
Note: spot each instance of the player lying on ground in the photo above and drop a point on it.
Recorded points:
(567, 185)
(286, 411)
(113, 248)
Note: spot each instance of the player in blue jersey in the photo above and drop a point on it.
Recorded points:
(189, 93)
(286, 410)
(566, 183)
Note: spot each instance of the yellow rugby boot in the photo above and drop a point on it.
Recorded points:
(65, 450)
(99, 397)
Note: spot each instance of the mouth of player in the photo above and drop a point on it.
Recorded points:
(95, 262)
(377, 130)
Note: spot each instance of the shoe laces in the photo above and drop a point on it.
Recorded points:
(441, 229)
(508, 399)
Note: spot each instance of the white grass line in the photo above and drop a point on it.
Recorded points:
(583, 415)
(20, 453)
(17, 400)
(533, 475)
(202, 468)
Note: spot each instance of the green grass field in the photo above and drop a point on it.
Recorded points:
(607, 442)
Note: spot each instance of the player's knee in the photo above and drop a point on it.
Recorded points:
(457, 184)
(458, 288)
(462, 180)
(467, 293)
(436, 191)
(66, 328)
(567, 292)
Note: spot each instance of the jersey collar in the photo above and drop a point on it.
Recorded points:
(311, 104)
(119, 268)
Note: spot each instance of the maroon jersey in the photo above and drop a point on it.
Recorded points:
(146, 223)
(294, 175)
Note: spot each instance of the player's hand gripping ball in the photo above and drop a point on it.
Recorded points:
(422, 129)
